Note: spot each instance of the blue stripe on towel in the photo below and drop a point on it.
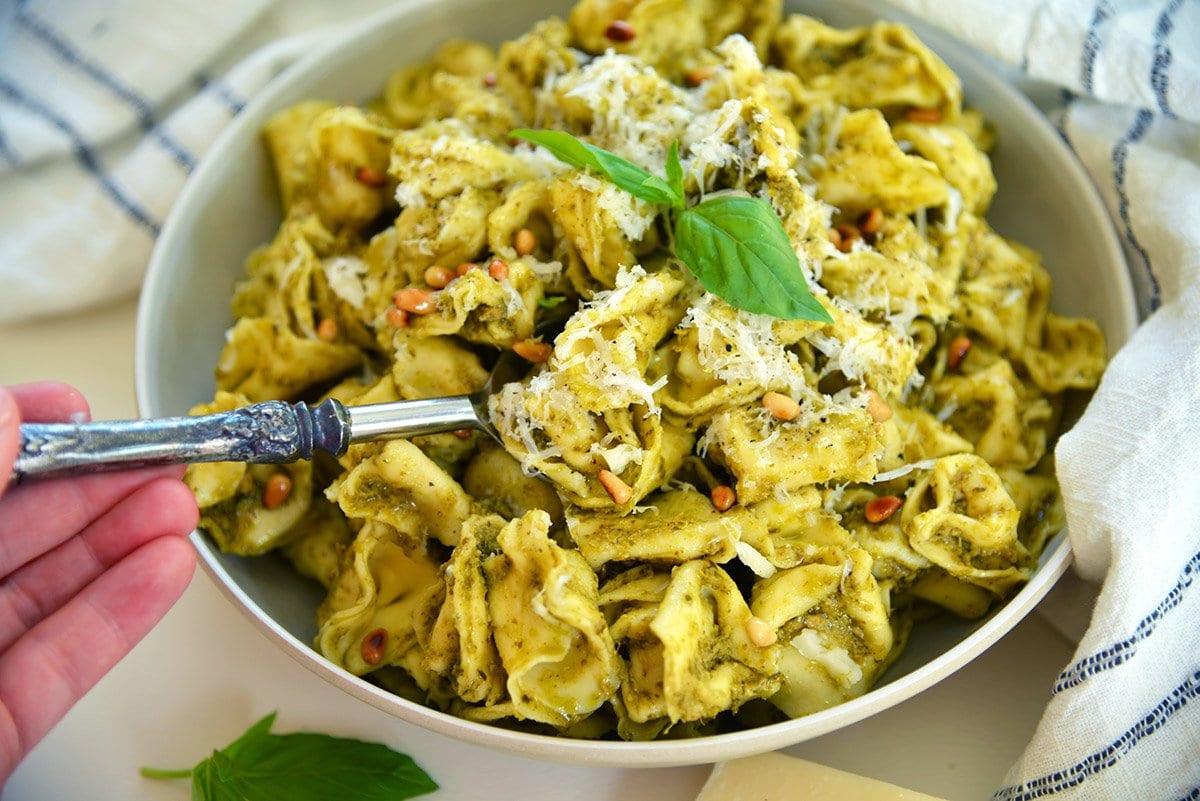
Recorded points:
(1111, 754)
(222, 92)
(1067, 98)
(66, 52)
(69, 55)
(1160, 71)
(1120, 652)
(1192, 796)
(182, 157)
(1091, 44)
(1120, 153)
(6, 152)
(83, 154)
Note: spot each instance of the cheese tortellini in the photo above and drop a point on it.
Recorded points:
(695, 518)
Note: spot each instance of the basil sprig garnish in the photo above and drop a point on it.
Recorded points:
(625, 174)
(260, 766)
(735, 246)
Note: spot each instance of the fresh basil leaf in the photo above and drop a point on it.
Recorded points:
(675, 171)
(625, 174)
(217, 780)
(738, 249)
(260, 766)
(252, 735)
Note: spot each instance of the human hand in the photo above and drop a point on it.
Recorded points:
(87, 567)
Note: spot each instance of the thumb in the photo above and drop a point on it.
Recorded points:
(10, 435)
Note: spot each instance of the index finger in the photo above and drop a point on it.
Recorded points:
(50, 402)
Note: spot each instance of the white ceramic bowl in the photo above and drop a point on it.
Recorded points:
(229, 207)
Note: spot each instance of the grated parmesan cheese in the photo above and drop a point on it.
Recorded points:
(409, 195)
(602, 357)
(548, 272)
(751, 558)
(632, 215)
(509, 415)
(345, 275)
(903, 470)
(707, 141)
(612, 85)
(514, 303)
(541, 161)
(617, 457)
(833, 496)
(954, 207)
(737, 345)
(834, 659)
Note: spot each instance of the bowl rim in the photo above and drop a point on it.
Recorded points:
(658, 753)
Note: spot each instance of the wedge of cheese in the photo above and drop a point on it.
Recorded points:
(775, 777)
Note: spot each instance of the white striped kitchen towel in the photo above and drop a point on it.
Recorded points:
(105, 109)
(1123, 718)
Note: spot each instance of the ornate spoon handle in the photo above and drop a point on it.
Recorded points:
(270, 432)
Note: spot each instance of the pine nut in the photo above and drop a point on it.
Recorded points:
(524, 242)
(617, 489)
(847, 236)
(879, 509)
(370, 176)
(438, 277)
(277, 490)
(877, 407)
(781, 406)
(871, 220)
(373, 646)
(620, 31)
(698, 75)
(489, 79)
(463, 433)
(957, 351)
(760, 632)
(465, 268)
(723, 497)
(533, 351)
(923, 115)
(415, 301)
(498, 269)
(327, 330)
(397, 318)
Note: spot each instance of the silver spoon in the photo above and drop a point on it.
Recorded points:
(271, 432)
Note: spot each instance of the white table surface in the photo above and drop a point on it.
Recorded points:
(206, 673)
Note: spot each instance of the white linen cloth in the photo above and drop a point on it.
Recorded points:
(1123, 718)
(106, 107)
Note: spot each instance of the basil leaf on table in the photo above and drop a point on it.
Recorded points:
(625, 174)
(738, 249)
(260, 766)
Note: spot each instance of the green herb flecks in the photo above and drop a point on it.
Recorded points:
(260, 766)
(736, 246)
